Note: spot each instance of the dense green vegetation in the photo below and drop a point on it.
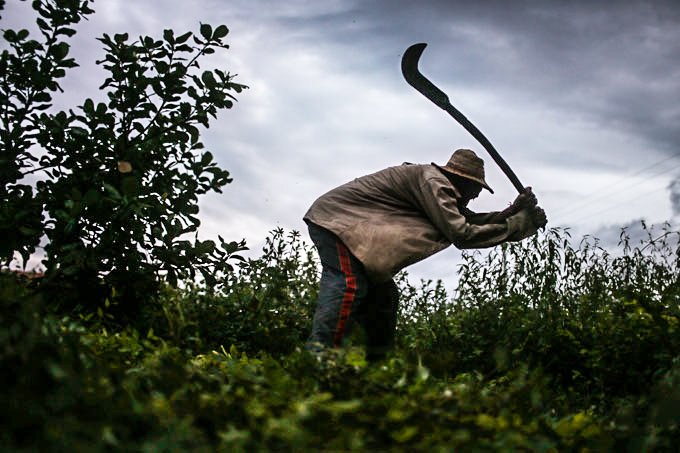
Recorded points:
(141, 338)
(544, 347)
(110, 187)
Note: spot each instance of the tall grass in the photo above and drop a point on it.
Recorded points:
(603, 323)
(550, 344)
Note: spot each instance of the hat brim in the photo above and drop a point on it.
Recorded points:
(457, 172)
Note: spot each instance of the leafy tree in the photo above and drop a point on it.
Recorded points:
(118, 197)
(29, 73)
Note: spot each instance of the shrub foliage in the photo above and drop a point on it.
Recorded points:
(585, 360)
(119, 180)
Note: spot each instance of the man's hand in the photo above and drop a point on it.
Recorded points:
(526, 199)
(538, 217)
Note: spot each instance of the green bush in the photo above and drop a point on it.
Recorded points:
(118, 181)
(49, 381)
(601, 324)
(266, 304)
(576, 366)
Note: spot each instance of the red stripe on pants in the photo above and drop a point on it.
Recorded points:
(349, 294)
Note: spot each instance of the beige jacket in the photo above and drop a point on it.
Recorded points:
(402, 215)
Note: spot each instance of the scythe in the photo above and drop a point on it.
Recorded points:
(409, 67)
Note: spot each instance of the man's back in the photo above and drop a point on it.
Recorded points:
(401, 215)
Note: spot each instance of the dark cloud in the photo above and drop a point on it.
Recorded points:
(674, 189)
(614, 64)
(635, 232)
(610, 235)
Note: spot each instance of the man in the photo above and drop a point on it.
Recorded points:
(369, 229)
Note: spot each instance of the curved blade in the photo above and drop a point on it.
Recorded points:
(409, 67)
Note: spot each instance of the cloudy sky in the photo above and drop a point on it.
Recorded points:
(581, 98)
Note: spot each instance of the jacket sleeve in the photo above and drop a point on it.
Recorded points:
(437, 199)
(523, 227)
(481, 218)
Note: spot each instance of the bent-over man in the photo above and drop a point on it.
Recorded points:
(369, 229)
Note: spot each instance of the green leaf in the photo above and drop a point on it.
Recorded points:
(221, 32)
(169, 36)
(183, 38)
(66, 31)
(194, 132)
(75, 130)
(206, 247)
(10, 35)
(206, 31)
(60, 50)
(42, 24)
(161, 66)
(405, 434)
(120, 38)
(42, 97)
(88, 107)
(69, 63)
(112, 191)
(206, 158)
(209, 79)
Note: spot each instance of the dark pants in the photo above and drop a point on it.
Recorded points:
(347, 298)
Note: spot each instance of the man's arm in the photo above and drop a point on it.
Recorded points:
(439, 202)
(525, 200)
(482, 218)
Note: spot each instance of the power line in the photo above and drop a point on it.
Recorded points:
(619, 203)
(599, 195)
(598, 192)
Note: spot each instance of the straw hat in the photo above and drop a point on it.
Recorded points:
(465, 163)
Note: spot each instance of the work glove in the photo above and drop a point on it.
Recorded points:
(525, 200)
(538, 217)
